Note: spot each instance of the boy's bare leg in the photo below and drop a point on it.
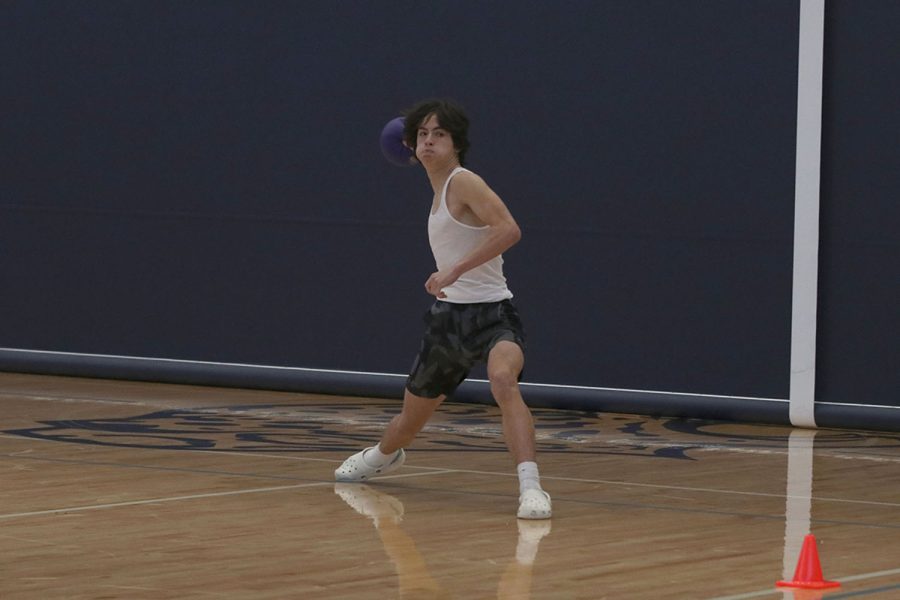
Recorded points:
(388, 455)
(404, 427)
(505, 363)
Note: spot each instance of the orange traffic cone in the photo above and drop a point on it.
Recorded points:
(809, 572)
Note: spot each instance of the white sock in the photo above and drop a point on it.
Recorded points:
(528, 476)
(374, 457)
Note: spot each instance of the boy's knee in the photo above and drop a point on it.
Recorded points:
(503, 382)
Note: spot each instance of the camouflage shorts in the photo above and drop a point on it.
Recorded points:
(457, 336)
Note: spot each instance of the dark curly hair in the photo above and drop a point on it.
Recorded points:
(451, 117)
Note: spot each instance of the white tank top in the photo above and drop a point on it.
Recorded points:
(451, 241)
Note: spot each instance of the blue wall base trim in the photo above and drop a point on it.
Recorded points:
(382, 385)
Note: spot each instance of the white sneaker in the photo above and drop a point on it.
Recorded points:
(534, 504)
(376, 505)
(356, 469)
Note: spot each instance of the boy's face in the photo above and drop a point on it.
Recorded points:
(434, 144)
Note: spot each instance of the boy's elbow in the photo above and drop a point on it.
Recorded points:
(515, 234)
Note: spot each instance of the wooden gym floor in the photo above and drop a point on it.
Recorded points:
(133, 490)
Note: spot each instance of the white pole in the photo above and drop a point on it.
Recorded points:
(806, 213)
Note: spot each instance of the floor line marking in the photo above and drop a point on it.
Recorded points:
(53, 511)
(670, 487)
(851, 578)
(279, 488)
(871, 575)
(445, 470)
